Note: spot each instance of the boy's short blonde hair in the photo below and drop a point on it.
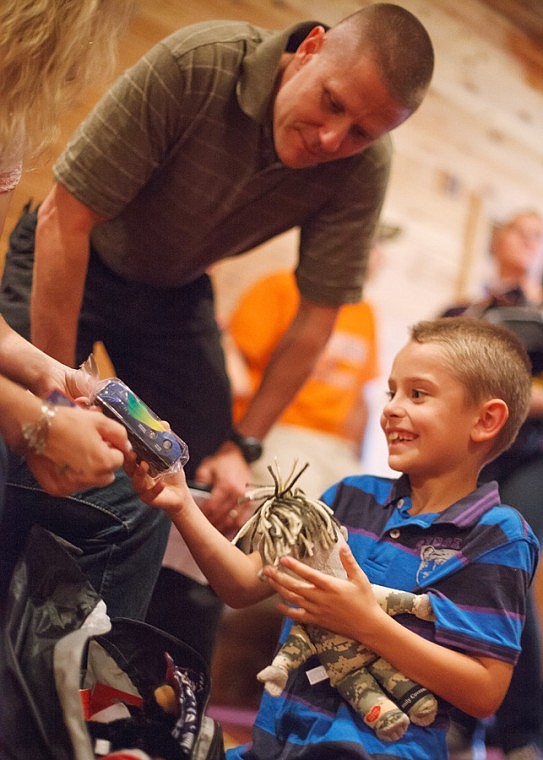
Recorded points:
(489, 361)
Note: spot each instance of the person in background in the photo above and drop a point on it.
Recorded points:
(222, 136)
(325, 423)
(458, 392)
(514, 295)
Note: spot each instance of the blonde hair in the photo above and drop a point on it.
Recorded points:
(489, 361)
(50, 50)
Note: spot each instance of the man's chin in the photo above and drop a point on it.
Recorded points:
(297, 161)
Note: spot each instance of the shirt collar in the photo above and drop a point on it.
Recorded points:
(259, 69)
(463, 513)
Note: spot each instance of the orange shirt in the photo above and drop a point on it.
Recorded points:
(349, 360)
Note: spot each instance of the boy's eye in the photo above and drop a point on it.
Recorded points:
(416, 394)
(389, 395)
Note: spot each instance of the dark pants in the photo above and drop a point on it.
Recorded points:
(519, 720)
(164, 343)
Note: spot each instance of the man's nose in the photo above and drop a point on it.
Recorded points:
(332, 135)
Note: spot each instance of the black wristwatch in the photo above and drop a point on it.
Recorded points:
(250, 447)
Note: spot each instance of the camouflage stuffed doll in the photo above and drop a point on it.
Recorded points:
(288, 522)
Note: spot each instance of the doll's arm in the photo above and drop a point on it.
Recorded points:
(395, 602)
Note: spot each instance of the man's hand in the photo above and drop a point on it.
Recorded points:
(228, 474)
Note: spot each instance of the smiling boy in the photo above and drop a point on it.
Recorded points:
(458, 392)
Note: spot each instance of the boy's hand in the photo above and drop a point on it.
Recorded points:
(343, 605)
(169, 492)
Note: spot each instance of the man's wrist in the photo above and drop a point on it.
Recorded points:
(250, 447)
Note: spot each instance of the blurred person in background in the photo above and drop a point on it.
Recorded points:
(513, 296)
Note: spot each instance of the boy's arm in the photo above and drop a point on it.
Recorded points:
(233, 575)
(476, 685)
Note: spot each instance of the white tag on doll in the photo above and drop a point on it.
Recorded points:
(316, 675)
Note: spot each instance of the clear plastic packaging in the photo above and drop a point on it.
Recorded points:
(152, 440)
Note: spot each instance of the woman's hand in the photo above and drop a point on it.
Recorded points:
(83, 449)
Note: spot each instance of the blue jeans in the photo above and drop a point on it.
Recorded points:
(165, 344)
(120, 541)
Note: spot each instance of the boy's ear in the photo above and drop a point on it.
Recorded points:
(492, 417)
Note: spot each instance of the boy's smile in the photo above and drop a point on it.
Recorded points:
(427, 421)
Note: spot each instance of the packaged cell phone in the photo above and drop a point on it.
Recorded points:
(151, 439)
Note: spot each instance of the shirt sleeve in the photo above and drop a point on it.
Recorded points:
(481, 610)
(127, 136)
(335, 242)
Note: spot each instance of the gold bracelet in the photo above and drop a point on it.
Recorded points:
(36, 433)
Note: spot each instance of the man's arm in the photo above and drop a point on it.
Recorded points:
(289, 367)
(60, 268)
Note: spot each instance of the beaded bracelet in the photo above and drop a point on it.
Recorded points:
(35, 433)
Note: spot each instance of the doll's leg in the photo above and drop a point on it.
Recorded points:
(296, 649)
(360, 689)
(415, 700)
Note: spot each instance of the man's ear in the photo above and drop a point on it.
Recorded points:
(492, 417)
(311, 44)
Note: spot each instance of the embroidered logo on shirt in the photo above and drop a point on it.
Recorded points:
(431, 557)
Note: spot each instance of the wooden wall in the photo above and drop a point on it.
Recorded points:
(472, 153)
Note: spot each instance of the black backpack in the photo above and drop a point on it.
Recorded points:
(56, 633)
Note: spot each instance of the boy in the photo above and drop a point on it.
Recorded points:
(458, 392)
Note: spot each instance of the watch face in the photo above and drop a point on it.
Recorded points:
(252, 450)
(250, 447)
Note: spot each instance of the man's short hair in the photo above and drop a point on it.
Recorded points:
(399, 44)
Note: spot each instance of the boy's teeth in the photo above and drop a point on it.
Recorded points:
(395, 436)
